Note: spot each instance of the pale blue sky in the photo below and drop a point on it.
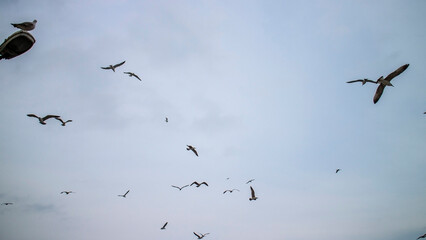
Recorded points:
(259, 88)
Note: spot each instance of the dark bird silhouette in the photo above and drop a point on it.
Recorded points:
(164, 226)
(180, 188)
(253, 197)
(364, 81)
(199, 184)
(133, 75)
(422, 236)
(386, 82)
(231, 190)
(26, 26)
(7, 203)
(167, 120)
(200, 235)
(189, 147)
(62, 121)
(67, 192)
(249, 181)
(113, 67)
(337, 170)
(42, 119)
(124, 194)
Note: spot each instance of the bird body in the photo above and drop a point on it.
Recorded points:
(180, 188)
(26, 26)
(167, 119)
(124, 195)
(164, 226)
(67, 192)
(253, 197)
(113, 67)
(62, 121)
(132, 75)
(43, 119)
(189, 147)
(422, 236)
(199, 184)
(337, 170)
(386, 82)
(7, 203)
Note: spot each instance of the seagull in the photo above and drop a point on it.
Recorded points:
(62, 121)
(164, 226)
(200, 236)
(192, 149)
(67, 192)
(180, 188)
(112, 67)
(249, 181)
(7, 203)
(337, 170)
(199, 184)
(167, 119)
(422, 236)
(386, 82)
(253, 197)
(364, 81)
(231, 190)
(124, 194)
(43, 119)
(27, 26)
(133, 75)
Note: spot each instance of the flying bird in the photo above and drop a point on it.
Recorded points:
(42, 119)
(133, 75)
(200, 236)
(167, 119)
(231, 190)
(7, 203)
(124, 194)
(364, 81)
(164, 226)
(67, 192)
(112, 67)
(62, 121)
(180, 188)
(422, 236)
(253, 197)
(26, 26)
(192, 149)
(199, 184)
(249, 181)
(337, 170)
(386, 82)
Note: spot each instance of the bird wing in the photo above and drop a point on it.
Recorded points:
(50, 116)
(175, 186)
(136, 76)
(165, 225)
(197, 235)
(32, 115)
(117, 65)
(59, 119)
(128, 73)
(195, 151)
(204, 183)
(252, 192)
(195, 184)
(359, 80)
(126, 192)
(396, 72)
(379, 92)
(226, 191)
(184, 186)
(67, 121)
(235, 189)
(368, 80)
(106, 67)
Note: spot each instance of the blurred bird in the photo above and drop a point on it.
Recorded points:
(192, 149)
(43, 119)
(167, 120)
(26, 26)
(337, 170)
(386, 82)
(253, 197)
(199, 184)
(422, 236)
(200, 236)
(67, 192)
(124, 194)
(7, 203)
(164, 226)
(231, 190)
(180, 188)
(133, 75)
(62, 121)
(364, 81)
(112, 67)
(249, 181)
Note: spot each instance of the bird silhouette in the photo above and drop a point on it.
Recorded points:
(253, 197)
(124, 194)
(422, 236)
(337, 170)
(26, 26)
(363, 81)
(386, 82)
(42, 119)
(230, 190)
(7, 203)
(164, 226)
(249, 181)
(199, 184)
(200, 236)
(180, 188)
(62, 121)
(67, 192)
(167, 119)
(113, 67)
(189, 147)
(133, 75)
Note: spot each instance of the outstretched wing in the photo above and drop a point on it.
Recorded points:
(32, 115)
(164, 226)
(136, 76)
(359, 80)
(396, 72)
(195, 151)
(117, 65)
(196, 183)
(252, 192)
(50, 116)
(106, 67)
(379, 92)
(204, 184)
(126, 192)
(197, 235)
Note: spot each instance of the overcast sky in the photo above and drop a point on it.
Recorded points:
(258, 87)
